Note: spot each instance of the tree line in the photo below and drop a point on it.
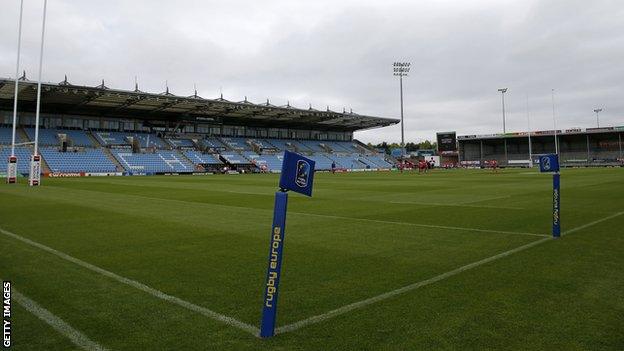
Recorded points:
(425, 145)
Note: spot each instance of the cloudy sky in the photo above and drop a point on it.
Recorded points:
(340, 53)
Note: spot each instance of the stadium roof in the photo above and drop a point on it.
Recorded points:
(101, 101)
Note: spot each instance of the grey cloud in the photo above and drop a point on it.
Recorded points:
(339, 53)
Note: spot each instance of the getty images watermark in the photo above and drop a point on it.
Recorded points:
(6, 314)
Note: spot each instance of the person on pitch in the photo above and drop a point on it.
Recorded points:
(422, 166)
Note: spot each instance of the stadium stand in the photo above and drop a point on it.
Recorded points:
(120, 138)
(180, 143)
(89, 160)
(313, 145)
(577, 147)
(6, 135)
(263, 144)
(158, 162)
(23, 158)
(235, 158)
(322, 161)
(300, 146)
(238, 144)
(235, 151)
(347, 161)
(281, 144)
(214, 143)
(377, 161)
(154, 140)
(199, 158)
(340, 146)
(273, 162)
(46, 136)
(188, 135)
(77, 138)
(111, 138)
(49, 137)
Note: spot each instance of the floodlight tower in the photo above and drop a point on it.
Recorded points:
(597, 110)
(401, 69)
(503, 91)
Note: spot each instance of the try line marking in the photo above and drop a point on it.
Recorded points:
(359, 304)
(320, 215)
(421, 225)
(438, 204)
(76, 337)
(135, 284)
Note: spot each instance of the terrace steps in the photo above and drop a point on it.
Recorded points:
(93, 139)
(45, 168)
(110, 156)
(185, 158)
(22, 134)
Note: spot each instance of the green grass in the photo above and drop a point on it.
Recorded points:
(205, 240)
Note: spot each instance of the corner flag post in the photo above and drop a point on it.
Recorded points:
(269, 309)
(298, 176)
(35, 164)
(556, 226)
(550, 163)
(12, 165)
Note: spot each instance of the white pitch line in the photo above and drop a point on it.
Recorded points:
(329, 216)
(421, 225)
(487, 199)
(350, 307)
(356, 305)
(456, 205)
(135, 284)
(76, 337)
(243, 192)
(586, 225)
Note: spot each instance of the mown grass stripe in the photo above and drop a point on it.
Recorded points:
(140, 286)
(363, 303)
(369, 220)
(77, 338)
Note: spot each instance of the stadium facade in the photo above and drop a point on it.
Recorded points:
(98, 130)
(577, 147)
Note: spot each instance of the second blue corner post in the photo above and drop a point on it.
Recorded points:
(274, 270)
(556, 226)
(550, 163)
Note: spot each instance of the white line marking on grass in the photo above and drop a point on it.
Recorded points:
(598, 221)
(356, 305)
(422, 225)
(456, 205)
(242, 192)
(487, 199)
(76, 337)
(209, 204)
(135, 284)
(387, 295)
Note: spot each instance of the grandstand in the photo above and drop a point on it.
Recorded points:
(108, 131)
(87, 160)
(161, 161)
(577, 147)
